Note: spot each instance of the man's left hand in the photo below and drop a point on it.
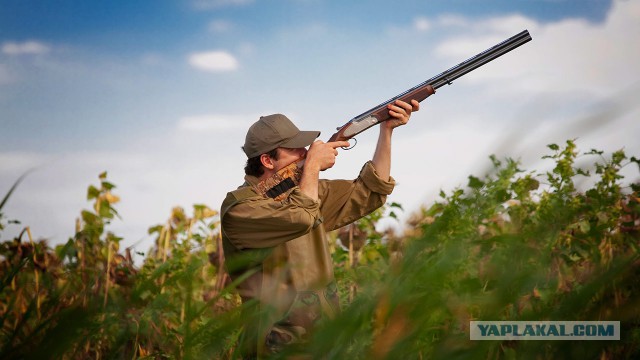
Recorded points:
(400, 112)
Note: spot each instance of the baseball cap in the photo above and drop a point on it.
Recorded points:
(274, 131)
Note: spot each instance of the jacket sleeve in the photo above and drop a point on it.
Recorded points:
(344, 201)
(259, 222)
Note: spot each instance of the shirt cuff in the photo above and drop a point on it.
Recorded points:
(300, 199)
(297, 197)
(372, 181)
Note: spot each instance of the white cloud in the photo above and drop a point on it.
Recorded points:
(421, 24)
(213, 61)
(25, 48)
(569, 56)
(507, 24)
(481, 35)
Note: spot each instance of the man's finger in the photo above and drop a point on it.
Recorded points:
(405, 105)
(337, 144)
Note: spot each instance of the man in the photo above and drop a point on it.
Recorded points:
(278, 246)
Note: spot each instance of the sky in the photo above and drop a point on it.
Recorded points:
(160, 94)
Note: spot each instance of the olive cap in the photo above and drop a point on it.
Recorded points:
(274, 131)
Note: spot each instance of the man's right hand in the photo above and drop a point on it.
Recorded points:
(322, 155)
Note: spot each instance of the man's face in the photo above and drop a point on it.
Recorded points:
(286, 156)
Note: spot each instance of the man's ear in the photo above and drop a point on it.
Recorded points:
(267, 162)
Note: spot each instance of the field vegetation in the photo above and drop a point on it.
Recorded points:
(512, 244)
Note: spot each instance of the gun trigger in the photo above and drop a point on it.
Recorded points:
(352, 146)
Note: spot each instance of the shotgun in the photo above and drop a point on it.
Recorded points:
(427, 88)
(286, 178)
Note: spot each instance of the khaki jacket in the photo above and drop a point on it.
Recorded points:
(282, 247)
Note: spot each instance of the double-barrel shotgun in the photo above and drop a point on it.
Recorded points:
(289, 176)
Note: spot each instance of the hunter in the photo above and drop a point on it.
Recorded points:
(276, 243)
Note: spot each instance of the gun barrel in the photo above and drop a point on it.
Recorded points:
(475, 62)
(446, 77)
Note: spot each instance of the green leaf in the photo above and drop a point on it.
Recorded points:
(584, 226)
(396, 205)
(66, 250)
(107, 185)
(105, 210)
(583, 172)
(618, 156)
(92, 192)
(475, 183)
(89, 217)
(594, 152)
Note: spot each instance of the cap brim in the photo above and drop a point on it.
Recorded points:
(302, 139)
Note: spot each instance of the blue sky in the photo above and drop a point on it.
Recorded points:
(145, 20)
(90, 45)
(160, 93)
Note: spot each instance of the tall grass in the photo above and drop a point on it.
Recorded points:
(511, 245)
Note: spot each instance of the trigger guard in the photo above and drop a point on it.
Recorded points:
(352, 146)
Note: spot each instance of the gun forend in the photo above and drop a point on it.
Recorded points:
(378, 114)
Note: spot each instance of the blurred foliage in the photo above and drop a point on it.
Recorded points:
(511, 245)
(84, 299)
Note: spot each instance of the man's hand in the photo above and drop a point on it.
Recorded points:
(322, 156)
(400, 112)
